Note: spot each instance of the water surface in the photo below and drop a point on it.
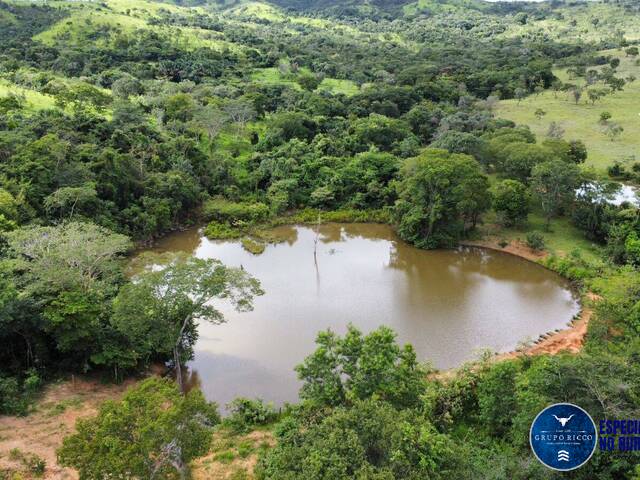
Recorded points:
(449, 304)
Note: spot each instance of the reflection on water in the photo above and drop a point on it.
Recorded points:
(448, 304)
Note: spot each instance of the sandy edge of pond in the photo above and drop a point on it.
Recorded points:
(570, 339)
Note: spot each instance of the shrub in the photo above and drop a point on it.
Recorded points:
(221, 231)
(225, 211)
(311, 216)
(17, 394)
(511, 201)
(33, 463)
(170, 430)
(535, 241)
(573, 266)
(496, 397)
(247, 413)
(252, 246)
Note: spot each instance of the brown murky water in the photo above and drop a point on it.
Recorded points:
(449, 304)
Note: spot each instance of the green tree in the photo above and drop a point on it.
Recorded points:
(380, 131)
(632, 248)
(309, 81)
(461, 142)
(71, 256)
(179, 107)
(577, 151)
(605, 117)
(596, 94)
(441, 196)
(39, 166)
(554, 183)
(159, 311)
(497, 397)
(8, 205)
(153, 432)
(342, 370)
(368, 440)
(65, 278)
(83, 98)
(66, 202)
(511, 201)
(518, 159)
(366, 180)
(12, 103)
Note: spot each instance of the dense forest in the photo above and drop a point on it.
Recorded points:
(122, 121)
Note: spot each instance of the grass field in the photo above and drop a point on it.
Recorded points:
(272, 76)
(561, 238)
(35, 100)
(581, 122)
(127, 16)
(611, 21)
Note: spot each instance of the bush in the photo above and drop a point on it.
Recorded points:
(252, 246)
(247, 413)
(496, 397)
(535, 241)
(369, 439)
(225, 211)
(221, 231)
(17, 394)
(573, 267)
(511, 201)
(151, 432)
(311, 215)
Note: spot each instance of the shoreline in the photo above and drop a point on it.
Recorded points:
(570, 339)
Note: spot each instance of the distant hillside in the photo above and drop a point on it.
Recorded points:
(321, 4)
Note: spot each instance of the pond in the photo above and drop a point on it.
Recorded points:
(450, 304)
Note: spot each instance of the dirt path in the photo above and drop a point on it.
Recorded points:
(41, 432)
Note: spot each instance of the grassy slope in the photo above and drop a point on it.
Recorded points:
(436, 6)
(562, 237)
(272, 76)
(611, 19)
(35, 100)
(128, 16)
(581, 121)
(274, 15)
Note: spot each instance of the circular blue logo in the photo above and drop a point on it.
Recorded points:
(563, 437)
